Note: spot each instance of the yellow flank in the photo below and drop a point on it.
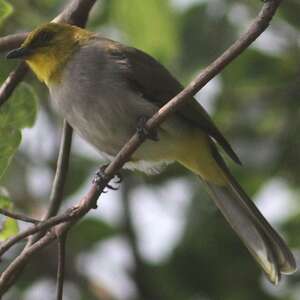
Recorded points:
(196, 155)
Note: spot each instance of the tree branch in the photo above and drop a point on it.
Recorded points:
(60, 178)
(37, 228)
(61, 265)
(11, 273)
(89, 201)
(19, 217)
(256, 29)
(12, 81)
(76, 13)
(56, 197)
(12, 41)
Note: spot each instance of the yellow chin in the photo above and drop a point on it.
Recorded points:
(45, 67)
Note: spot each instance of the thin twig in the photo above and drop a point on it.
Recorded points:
(62, 168)
(12, 41)
(12, 271)
(56, 198)
(12, 81)
(61, 265)
(40, 227)
(256, 28)
(89, 201)
(20, 217)
(77, 13)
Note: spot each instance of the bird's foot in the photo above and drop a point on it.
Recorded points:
(143, 132)
(101, 176)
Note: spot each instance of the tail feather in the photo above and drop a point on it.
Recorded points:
(263, 242)
(285, 258)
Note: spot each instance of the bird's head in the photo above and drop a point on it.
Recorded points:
(47, 49)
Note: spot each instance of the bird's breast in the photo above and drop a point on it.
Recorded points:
(99, 105)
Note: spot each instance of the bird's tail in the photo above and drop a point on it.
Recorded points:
(263, 242)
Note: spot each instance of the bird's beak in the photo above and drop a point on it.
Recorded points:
(18, 53)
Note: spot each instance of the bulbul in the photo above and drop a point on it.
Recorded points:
(103, 89)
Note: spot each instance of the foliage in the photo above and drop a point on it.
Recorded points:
(255, 102)
(5, 10)
(15, 115)
(9, 226)
(148, 18)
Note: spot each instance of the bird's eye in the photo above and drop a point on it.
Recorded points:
(45, 36)
(42, 38)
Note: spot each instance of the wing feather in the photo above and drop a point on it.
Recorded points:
(157, 85)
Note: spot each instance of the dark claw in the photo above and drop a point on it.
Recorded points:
(112, 187)
(143, 132)
(119, 178)
(101, 176)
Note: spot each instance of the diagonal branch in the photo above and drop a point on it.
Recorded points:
(38, 228)
(76, 13)
(88, 202)
(12, 81)
(61, 265)
(12, 41)
(19, 217)
(258, 26)
(57, 191)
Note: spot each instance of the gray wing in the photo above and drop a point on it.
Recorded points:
(157, 85)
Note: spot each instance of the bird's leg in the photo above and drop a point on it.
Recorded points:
(100, 176)
(145, 133)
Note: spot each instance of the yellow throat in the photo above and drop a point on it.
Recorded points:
(47, 62)
(46, 67)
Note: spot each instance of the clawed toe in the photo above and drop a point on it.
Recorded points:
(100, 176)
(119, 178)
(144, 132)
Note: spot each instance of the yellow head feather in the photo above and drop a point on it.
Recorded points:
(51, 45)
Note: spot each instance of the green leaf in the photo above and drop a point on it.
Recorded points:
(21, 110)
(9, 227)
(9, 142)
(5, 10)
(17, 113)
(145, 23)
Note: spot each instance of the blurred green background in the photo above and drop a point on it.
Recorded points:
(161, 238)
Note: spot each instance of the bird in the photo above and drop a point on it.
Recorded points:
(106, 90)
